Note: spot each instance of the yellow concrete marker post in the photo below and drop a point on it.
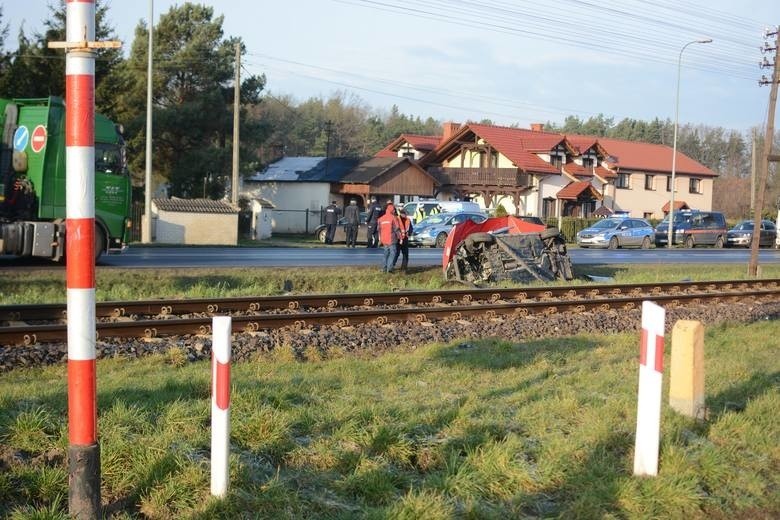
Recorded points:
(686, 387)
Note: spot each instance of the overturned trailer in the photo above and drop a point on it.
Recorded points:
(505, 248)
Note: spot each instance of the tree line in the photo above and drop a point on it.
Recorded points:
(193, 93)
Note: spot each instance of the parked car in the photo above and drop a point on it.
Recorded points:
(741, 235)
(617, 232)
(340, 235)
(693, 228)
(445, 206)
(433, 230)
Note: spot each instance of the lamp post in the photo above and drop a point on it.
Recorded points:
(670, 238)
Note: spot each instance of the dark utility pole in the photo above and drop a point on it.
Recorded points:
(767, 151)
(328, 130)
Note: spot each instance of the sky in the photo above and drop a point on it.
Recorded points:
(514, 62)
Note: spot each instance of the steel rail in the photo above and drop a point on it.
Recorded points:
(32, 334)
(16, 313)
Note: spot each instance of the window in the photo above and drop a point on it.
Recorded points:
(622, 181)
(650, 182)
(488, 159)
(587, 163)
(108, 158)
(694, 186)
(669, 183)
(548, 208)
(556, 160)
(647, 215)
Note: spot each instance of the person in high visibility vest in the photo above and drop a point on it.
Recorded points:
(419, 214)
(435, 210)
(405, 230)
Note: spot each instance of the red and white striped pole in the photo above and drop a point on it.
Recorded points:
(83, 449)
(648, 410)
(220, 405)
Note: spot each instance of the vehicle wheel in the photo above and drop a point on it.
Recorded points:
(689, 243)
(646, 243)
(322, 235)
(481, 238)
(565, 268)
(441, 239)
(474, 239)
(100, 242)
(613, 243)
(549, 233)
(719, 242)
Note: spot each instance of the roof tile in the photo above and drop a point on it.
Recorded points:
(177, 205)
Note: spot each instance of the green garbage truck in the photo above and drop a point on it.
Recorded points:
(32, 180)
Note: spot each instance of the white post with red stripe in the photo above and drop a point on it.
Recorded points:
(648, 412)
(84, 452)
(220, 405)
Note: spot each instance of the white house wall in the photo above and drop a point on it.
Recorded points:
(638, 201)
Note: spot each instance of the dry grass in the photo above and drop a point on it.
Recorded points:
(490, 429)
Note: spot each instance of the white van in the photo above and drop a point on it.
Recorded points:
(446, 206)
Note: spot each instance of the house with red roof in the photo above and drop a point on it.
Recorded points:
(547, 174)
(410, 145)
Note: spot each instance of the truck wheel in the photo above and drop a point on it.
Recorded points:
(441, 239)
(100, 242)
(689, 243)
(322, 234)
(613, 243)
(646, 243)
(719, 243)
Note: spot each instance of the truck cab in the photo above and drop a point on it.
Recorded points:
(33, 174)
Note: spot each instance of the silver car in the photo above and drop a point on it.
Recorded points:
(617, 232)
(434, 229)
(742, 234)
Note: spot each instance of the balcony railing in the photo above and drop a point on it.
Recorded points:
(509, 177)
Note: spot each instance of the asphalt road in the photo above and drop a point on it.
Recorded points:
(138, 257)
(183, 257)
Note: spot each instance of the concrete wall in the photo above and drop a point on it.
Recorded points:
(196, 228)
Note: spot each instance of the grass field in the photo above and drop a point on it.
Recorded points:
(48, 285)
(488, 429)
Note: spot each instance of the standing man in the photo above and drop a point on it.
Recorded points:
(389, 233)
(405, 230)
(332, 214)
(374, 212)
(352, 216)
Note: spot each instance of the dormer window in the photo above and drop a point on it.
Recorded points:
(556, 161)
(406, 150)
(587, 163)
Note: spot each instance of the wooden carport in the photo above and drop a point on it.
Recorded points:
(386, 177)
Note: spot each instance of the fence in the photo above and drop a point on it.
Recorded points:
(296, 220)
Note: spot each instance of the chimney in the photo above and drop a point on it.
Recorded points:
(537, 127)
(448, 129)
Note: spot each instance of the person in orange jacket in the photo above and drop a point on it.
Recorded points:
(389, 235)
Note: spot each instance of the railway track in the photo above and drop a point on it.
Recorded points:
(254, 314)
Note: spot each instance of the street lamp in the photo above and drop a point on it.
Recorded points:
(670, 237)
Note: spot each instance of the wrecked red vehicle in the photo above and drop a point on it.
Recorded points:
(505, 248)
